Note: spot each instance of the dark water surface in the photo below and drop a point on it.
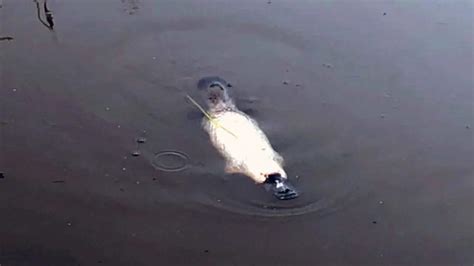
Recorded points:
(369, 102)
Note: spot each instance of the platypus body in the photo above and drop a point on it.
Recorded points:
(241, 142)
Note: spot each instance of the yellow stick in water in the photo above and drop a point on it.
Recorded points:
(213, 121)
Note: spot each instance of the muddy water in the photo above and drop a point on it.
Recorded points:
(369, 103)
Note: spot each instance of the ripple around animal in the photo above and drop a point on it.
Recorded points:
(342, 196)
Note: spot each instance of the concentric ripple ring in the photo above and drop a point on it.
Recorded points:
(182, 158)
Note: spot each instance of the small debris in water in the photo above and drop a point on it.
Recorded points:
(14, 89)
(468, 126)
(121, 189)
(154, 179)
(136, 153)
(269, 2)
(58, 181)
(125, 157)
(229, 85)
(384, 13)
(141, 140)
(327, 65)
(374, 222)
(285, 82)
(381, 202)
(298, 85)
(49, 123)
(69, 224)
(2, 175)
(382, 116)
(250, 99)
(118, 126)
(154, 57)
(107, 108)
(346, 155)
(106, 174)
(6, 38)
(206, 251)
(138, 182)
(124, 169)
(297, 176)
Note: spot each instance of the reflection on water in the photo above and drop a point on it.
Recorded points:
(48, 14)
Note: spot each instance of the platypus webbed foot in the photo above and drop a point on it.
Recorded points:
(280, 187)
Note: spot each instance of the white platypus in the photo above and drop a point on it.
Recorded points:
(241, 142)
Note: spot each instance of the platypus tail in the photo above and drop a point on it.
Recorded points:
(280, 187)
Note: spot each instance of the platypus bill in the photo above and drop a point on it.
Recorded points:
(242, 143)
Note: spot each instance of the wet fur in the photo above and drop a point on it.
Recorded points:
(247, 150)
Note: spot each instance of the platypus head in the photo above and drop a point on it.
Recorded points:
(215, 91)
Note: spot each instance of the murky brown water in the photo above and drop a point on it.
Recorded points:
(370, 103)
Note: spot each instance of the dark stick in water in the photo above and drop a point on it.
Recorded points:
(49, 15)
